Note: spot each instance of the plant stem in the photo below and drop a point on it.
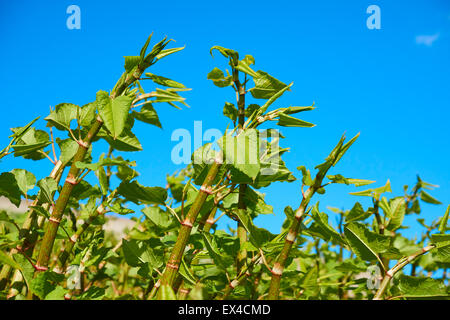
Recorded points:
(124, 82)
(26, 232)
(101, 210)
(173, 263)
(277, 270)
(241, 232)
(61, 203)
(399, 266)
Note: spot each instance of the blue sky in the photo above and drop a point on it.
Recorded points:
(390, 84)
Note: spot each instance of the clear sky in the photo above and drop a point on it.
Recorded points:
(391, 84)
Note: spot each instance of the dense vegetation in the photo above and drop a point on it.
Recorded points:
(58, 249)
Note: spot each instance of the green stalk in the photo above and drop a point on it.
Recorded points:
(124, 82)
(61, 203)
(399, 266)
(210, 221)
(26, 232)
(173, 263)
(241, 276)
(241, 232)
(64, 255)
(277, 270)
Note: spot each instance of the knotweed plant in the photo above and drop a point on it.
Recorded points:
(59, 249)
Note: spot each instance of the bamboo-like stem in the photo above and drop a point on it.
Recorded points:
(277, 269)
(399, 266)
(241, 232)
(26, 232)
(124, 82)
(173, 263)
(55, 218)
(241, 276)
(64, 255)
(183, 291)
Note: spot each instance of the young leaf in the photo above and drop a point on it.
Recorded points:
(356, 182)
(444, 220)
(374, 192)
(421, 287)
(364, 243)
(137, 193)
(69, 148)
(165, 81)
(48, 185)
(114, 112)
(63, 114)
(230, 111)
(9, 188)
(218, 78)
(25, 180)
(266, 86)
(288, 121)
(424, 196)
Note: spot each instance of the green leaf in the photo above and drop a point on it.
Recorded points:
(137, 193)
(114, 112)
(356, 182)
(44, 283)
(159, 217)
(137, 253)
(104, 162)
(6, 259)
(444, 220)
(244, 66)
(440, 240)
(131, 62)
(57, 294)
(30, 143)
(306, 180)
(87, 114)
(69, 148)
(375, 192)
(421, 287)
(20, 131)
(257, 236)
(266, 86)
(288, 121)
(166, 52)
(227, 53)
(213, 250)
(25, 180)
(186, 273)
(147, 114)
(93, 293)
(242, 152)
(218, 78)
(396, 213)
(327, 232)
(165, 81)
(127, 141)
(48, 186)
(357, 213)
(230, 111)
(9, 188)
(103, 180)
(364, 243)
(63, 114)
(424, 196)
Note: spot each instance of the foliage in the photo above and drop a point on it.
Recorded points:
(59, 249)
